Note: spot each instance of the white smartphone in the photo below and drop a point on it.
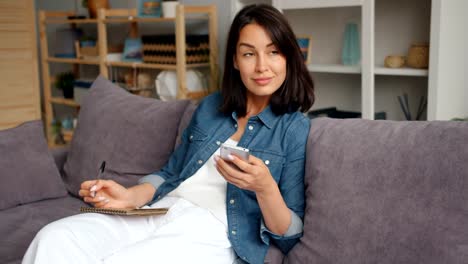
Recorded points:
(240, 152)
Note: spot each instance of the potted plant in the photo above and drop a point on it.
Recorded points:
(57, 132)
(66, 82)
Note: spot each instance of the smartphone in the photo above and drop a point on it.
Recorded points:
(240, 152)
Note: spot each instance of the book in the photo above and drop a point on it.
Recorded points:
(123, 211)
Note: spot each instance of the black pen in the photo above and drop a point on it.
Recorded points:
(101, 169)
(98, 177)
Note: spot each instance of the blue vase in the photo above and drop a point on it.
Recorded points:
(351, 53)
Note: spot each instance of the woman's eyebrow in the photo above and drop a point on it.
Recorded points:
(252, 46)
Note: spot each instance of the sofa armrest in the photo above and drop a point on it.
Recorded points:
(60, 156)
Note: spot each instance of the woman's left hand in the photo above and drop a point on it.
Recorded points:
(253, 175)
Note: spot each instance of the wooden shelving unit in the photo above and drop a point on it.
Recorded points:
(113, 16)
(183, 12)
(73, 61)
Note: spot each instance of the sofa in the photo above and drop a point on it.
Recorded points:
(376, 191)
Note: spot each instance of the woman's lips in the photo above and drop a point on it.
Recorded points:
(262, 81)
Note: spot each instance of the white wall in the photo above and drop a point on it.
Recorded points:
(449, 66)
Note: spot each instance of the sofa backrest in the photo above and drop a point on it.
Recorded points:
(385, 192)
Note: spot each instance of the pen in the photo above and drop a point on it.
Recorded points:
(101, 169)
(99, 175)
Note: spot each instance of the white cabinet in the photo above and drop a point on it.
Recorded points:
(387, 27)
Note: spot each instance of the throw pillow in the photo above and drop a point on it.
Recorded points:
(27, 170)
(133, 134)
(385, 192)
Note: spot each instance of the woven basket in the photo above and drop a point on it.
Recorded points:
(418, 56)
(162, 49)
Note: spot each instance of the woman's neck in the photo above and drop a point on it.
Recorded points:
(256, 104)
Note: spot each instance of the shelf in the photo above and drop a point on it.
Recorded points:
(197, 95)
(334, 68)
(301, 4)
(400, 71)
(143, 65)
(137, 19)
(63, 101)
(131, 19)
(71, 21)
(73, 61)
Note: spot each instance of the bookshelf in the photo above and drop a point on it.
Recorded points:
(108, 17)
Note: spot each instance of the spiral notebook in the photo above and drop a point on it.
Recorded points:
(121, 211)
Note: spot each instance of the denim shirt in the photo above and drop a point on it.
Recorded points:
(280, 141)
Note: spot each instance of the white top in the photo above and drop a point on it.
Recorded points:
(206, 188)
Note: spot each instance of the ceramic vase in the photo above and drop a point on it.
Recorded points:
(351, 53)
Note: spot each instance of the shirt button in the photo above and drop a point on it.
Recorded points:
(200, 162)
(232, 201)
(191, 137)
(235, 125)
(218, 143)
(250, 127)
(267, 162)
(233, 232)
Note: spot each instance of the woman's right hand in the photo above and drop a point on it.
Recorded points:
(107, 194)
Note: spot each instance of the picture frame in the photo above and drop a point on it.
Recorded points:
(149, 8)
(305, 44)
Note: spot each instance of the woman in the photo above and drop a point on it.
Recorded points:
(220, 210)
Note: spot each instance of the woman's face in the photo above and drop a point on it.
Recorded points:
(261, 65)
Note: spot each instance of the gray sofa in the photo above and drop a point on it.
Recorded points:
(376, 191)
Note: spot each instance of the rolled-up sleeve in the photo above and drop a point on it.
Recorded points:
(291, 186)
(152, 179)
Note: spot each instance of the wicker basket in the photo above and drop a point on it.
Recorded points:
(162, 49)
(418, 56)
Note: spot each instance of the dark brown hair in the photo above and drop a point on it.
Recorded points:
(297, 91)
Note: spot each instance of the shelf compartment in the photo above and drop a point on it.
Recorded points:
(63, 101)
(73, 61)
(301, 4)
(334, 68)
(130, 16)
(400, 71)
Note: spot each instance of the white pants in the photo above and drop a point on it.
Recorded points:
(186, 234)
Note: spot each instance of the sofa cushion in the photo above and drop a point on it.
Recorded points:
(27, 170)
(385, 192)
(133, 134)
(20, 224)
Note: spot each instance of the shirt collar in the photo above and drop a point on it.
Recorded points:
(267, 117)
